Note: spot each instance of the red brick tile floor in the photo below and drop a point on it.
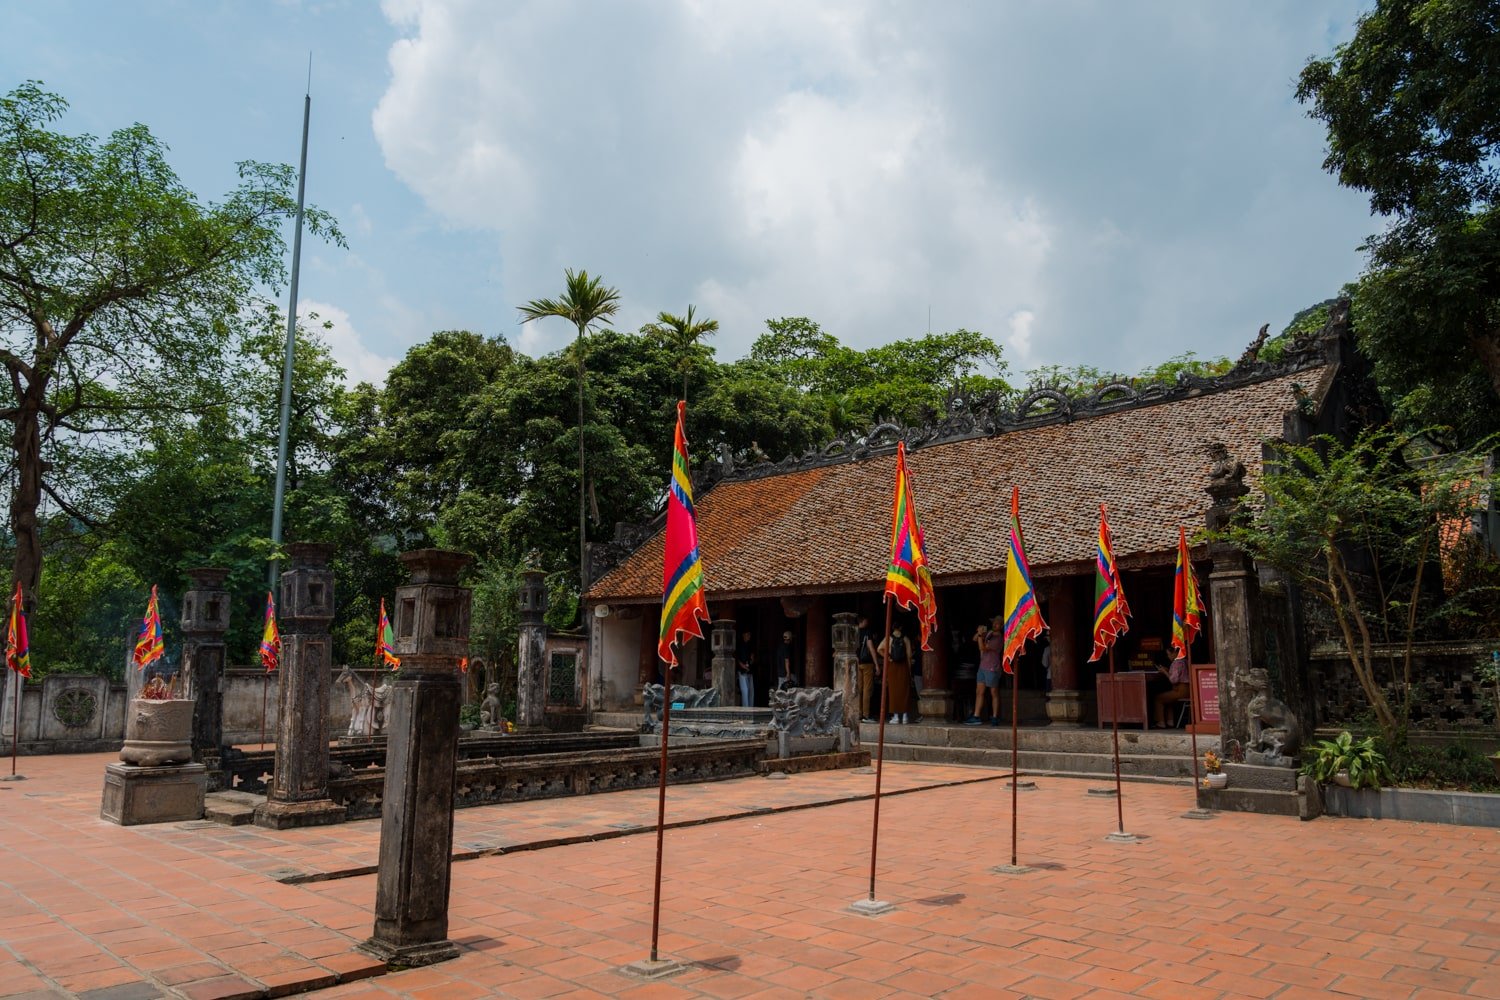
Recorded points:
(1238, 906)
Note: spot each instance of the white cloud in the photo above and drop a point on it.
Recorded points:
(333, 324)
(1096, 183)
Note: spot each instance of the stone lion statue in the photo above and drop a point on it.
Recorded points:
(1275, 733)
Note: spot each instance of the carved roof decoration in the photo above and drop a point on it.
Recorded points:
(771, 527)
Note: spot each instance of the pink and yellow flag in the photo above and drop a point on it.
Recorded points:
(908, 581)
(17, 643)
(1110, 608)
(149, 647)
(1187, 603)
(270, 638)
(385, 641)
(1023, 618)
(684, 608)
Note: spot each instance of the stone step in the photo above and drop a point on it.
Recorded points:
(1256, 800)
(1132, 766)
(231, 808)
(618, 720)
(1045, 739)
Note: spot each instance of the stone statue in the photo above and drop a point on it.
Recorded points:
(1275, 733)
(362, 700)
(1225, 469)
(807, 711)
(489, 709)
(382, 698)
(1252, 353)
(687, 697)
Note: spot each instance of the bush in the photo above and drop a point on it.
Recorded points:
(1456, 765)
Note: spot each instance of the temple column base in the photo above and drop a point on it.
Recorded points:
(1066, 709)
(936, 705)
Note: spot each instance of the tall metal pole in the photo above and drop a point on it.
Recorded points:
(885, 679)
(1015, 754)
(1114, 694)
(661, 805)
(291, 334)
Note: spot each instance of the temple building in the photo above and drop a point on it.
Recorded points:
(786, 546)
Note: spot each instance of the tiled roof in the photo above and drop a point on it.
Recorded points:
(828, 528)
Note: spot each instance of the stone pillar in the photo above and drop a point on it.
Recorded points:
(846, 667)
(1234, 592)
(298, 795)
(205, 619)
(1066, 703)
(722, 638)
(531, 664)
(817, 652)
(416, 820)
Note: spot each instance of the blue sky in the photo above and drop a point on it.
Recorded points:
(1088, 182)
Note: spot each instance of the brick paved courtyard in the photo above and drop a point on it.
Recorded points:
(756, 899)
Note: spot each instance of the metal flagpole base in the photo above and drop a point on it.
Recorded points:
(863, 770)
(648, 968)
(871, 907)
(1198, 814)
(14, 777)
(1023, 786)
(1103, 793)
(1121, 837)
(1012, 869)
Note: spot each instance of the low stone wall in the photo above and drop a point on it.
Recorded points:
(66, 713)
(1447, 693)
(242, 689)
(1419, 804)
(542, 776)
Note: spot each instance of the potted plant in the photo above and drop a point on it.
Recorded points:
(1213, 767)
(1347, 762)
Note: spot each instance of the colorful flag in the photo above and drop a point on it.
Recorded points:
(270, 639)
(1110, 608)
(1023, 619)
(1187, 603)
(683, 605)
(17, 643)
(908, 581)
(385, 641)
(148, 647)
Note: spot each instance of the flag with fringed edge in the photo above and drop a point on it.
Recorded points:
(1023, 618)
(684, 608)
(1187, 602)
(385, 641)
(270, 638)
(17, 642)
(908, 581)
(149, 646)
(1111, 610)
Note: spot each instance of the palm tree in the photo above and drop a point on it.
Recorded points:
(584, 303)
(685, 335)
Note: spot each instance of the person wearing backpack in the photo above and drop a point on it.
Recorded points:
(895, 652)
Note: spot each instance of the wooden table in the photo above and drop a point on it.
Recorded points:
(1122, 698)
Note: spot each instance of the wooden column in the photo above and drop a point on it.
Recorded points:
(935, 699)
(1066, 703)
(650, 630)
(818, 649)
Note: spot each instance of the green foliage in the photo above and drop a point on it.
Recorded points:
(1456, 765)
(1412, 108)
(1358, 526)
(1360, 759)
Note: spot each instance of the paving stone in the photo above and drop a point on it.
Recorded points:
(125, 991)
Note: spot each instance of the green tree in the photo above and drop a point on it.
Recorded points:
(585, 302)
(685, 333)
(1412, 108)
(1360, 529)
(119, 293)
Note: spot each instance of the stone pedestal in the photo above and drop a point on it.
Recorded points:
(846, 667)
(298, 794)
(205, 620)
(416, 824)
(531, 663)
(170, 794)
(1066, 704)
(724, 682)
(936, 705)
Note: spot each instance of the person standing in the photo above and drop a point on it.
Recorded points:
(991, 643)
(786, 663)
(744, 669)
(869, 673)
(895, 654)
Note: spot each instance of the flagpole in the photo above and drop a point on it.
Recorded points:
(1193, 716)
(1114, 694)
(661, 805)
(265, 692)
(19, 683)
(1015, 747)
(885, 678)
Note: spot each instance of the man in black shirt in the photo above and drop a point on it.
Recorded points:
(786, 662)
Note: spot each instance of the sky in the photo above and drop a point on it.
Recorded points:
(1086, 181)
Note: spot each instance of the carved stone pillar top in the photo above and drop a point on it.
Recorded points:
(722, 637)
(205, 605)
(207, 578)
(432, 611)
(435, 565)
(846, 633)
(306, 600)
(533, 595)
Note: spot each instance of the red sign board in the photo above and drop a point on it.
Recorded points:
(1206, 697)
